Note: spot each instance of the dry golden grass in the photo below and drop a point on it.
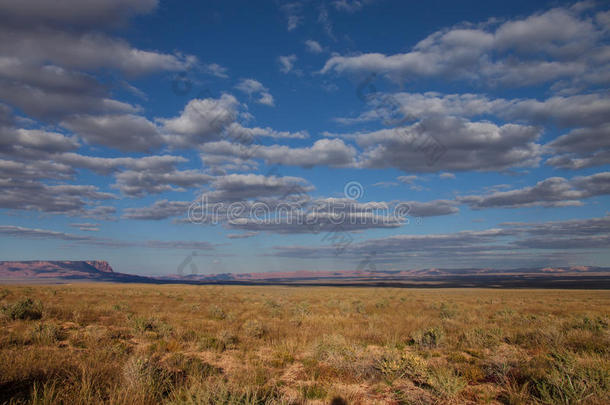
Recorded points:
(175, 344)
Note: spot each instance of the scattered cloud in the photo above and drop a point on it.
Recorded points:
(106, 165)
(324, 152)
(253, 87)
(350, 6)
(287, 64)
(202, 120)
(244, 235)
(551, 192)
(34, 233)
(141, 183)
(556, 44)
(385, 184)
(451, 144)
(407, 179)
(293, 13)
(432, 208)
(515, 243)
(86, 226)
(159, 210)
(123, 132)
(239, 187)
(313, 46)
(74, 12)
(215, 69)
(71, 200)
(582, 147)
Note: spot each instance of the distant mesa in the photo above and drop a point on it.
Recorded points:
(63, 271)
(101, 265)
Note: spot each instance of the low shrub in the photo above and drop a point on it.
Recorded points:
(446, 382)
(254, 328)
(428, 338)
(395, 364)
(46, 334)
(146, 376)
(150, 324)
(567, 380)
(447, 312)
(181, 366)
(215, 312)
(27, 309)
(226, 340)
(313, 391)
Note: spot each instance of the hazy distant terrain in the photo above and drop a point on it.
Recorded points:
(566, 277)
(186, 344)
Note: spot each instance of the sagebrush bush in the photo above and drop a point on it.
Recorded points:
(142, 325)
(428, 338)
(396, 364)
(254, 328)
(26, 308)
(226, 340)
(446, 382)
(47, 334)
(566, 379)
(145, 375)
(217, 313)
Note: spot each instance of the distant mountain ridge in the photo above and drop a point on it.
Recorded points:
(589, 277)
(40, 271)
(393, 274)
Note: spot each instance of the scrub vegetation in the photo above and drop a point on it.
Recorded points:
(178, 344)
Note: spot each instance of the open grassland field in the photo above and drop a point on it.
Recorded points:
(149, 344)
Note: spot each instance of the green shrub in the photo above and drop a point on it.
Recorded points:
(152, 324)
(218, 391)
(226, 340)
(301, 309)
(254, 328)
(46, 334)
(271, 304)
(26, 308)
(395, 364)
(145, 374)
(566, 380)
(217, 313)
(222, 341)
(447, 312)
(183, 366)
(120, 307)
(446, 382)
(314, 391)
(594, 325)
(428, 338)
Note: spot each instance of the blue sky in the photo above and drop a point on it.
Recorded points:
(483, 124)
